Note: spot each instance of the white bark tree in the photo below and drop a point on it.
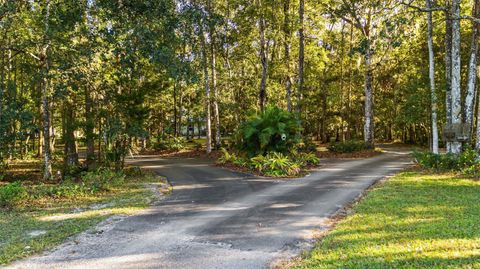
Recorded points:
(472, 70)
(448, 65)
(456, 147)
(213, 63)
(206, 80)
(432, 79)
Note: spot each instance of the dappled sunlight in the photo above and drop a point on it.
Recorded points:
(92, 213)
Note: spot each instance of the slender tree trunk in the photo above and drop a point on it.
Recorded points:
(472, 70)
(70, 147)
(456, 73)
(175, 133)
(301, 56)
(264, 60)
(350, 88)
(286, 31)
(213, 66)
(47, 166)
(448, 66)
(369, 119)
(432, 80)
(89, 126)
(207, 90)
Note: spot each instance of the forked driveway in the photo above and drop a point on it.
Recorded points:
(220, 219)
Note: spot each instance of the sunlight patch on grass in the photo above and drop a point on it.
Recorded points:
(412, 221)
(51, 221)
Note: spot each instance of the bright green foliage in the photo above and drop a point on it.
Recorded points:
(173, 143)
(227, 157)
(306, 159)
(11, 194)
(274, 130)
(347, 146)
(467, 160)
(275, 164)
(413, 221)
(103, 179)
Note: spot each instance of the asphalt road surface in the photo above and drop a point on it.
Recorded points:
(216, 218)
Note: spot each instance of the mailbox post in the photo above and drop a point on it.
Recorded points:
(458, 132)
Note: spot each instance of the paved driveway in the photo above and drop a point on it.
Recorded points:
(216, 218)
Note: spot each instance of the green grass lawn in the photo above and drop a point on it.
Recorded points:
(412, 221)
(58, 219)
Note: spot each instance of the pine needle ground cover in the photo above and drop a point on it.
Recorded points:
(412, 221)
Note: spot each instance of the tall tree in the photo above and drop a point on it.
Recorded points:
(472, 69)
(456, 147)
(433, 93)
(301, 55)
(286, 44)
(213, 66)
(206, 85)
(448, 65)
(262, 24)
(44, 53)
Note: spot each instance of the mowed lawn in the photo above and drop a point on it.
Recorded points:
(412, 221)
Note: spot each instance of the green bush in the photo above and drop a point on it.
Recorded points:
(102, 179)
(172, 143)
(11, 194)
(306, 159)
(348, 146)
(466, 161)
(274, 130)
(64, 190)
(226, 157)
(275, 164)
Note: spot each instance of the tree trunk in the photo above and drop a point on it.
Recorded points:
(456, 147)
(213, 63)
(70, 147)
(175, 109)
(47, 166)
(207, 90)
(89, 126)
(472, 70)
(264, 60)
(301, 56)
(433, 94)
(286, 31)
(448, 66)
(369, 120)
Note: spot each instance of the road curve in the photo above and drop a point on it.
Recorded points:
(216, 218)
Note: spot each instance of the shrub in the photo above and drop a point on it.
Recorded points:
(11, 194)
(102, 179)
(64, 190)
(227, 157)
(307, 159)
(466, 161)
(173, 143)
(275, 164)
(274, 130)
(348, 146)
(133, 171)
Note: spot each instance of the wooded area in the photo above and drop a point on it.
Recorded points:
(113, 76)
